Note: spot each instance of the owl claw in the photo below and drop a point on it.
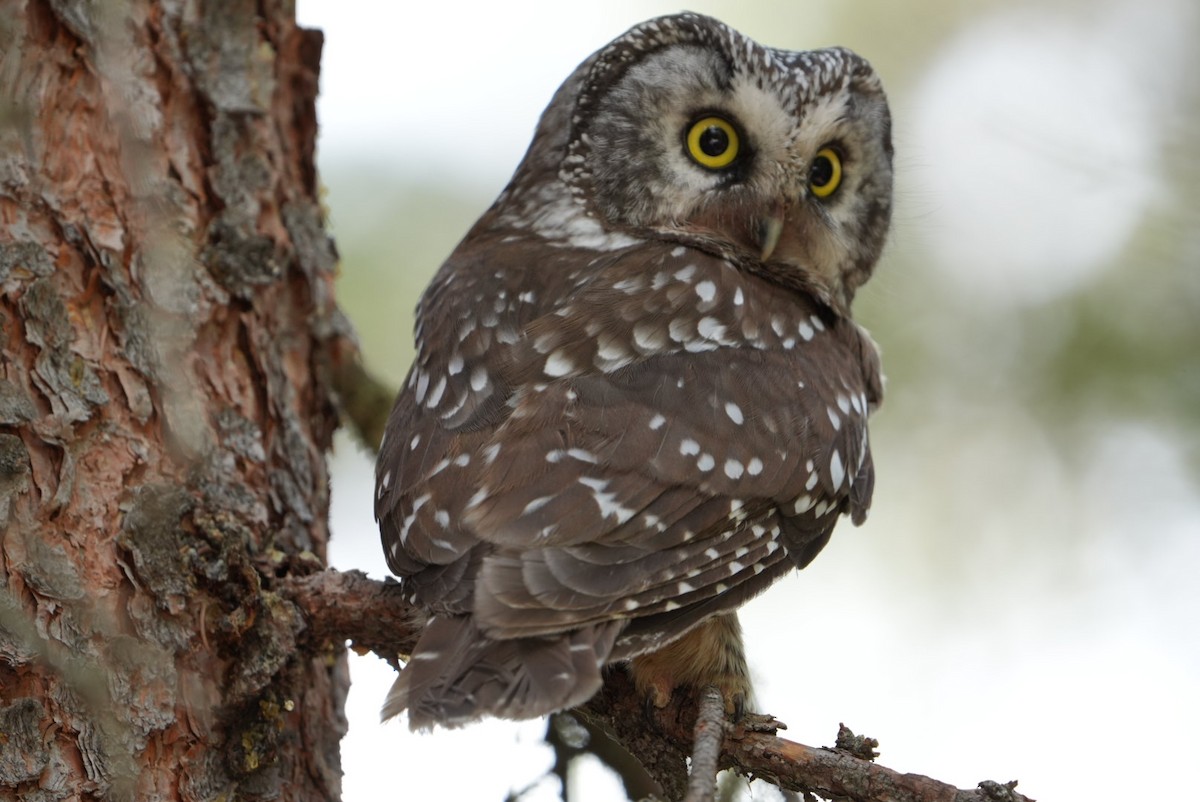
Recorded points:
(738, 703)
(649, 708)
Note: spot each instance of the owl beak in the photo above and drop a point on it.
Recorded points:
(769, 229)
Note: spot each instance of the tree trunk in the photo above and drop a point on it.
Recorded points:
(168, 334)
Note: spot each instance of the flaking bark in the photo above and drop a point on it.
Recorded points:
(168, 338)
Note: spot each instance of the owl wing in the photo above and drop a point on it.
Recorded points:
(662, 434)
(666, 485)
(469, 319)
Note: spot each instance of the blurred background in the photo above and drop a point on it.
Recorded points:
(1024, 600)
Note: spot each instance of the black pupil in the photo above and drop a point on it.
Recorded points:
(714, 141)
(821, 172)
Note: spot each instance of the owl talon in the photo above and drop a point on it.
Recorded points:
(649, 708)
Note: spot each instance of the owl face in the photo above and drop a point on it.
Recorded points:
(779, 160)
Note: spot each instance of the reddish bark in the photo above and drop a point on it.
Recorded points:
(166, 318)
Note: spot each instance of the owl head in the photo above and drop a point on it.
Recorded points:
(684, 129)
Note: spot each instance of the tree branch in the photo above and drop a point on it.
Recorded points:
(709, 735)
(364, 401)
(349, 606)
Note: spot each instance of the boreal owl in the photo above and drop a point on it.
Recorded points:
(638, 396)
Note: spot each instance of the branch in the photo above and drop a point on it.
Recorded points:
(709, 735)
(349, 606)
(829, 772)
(364, 401)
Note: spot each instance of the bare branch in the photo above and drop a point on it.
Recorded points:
(364, 401)
(349, 606)
(706, 751)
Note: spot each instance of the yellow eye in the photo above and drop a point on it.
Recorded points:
(712, 142)
(825, 173)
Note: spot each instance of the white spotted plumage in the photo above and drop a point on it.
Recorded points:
(638, 396)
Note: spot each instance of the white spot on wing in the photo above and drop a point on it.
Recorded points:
(679, 329)
(837, 471)
(480, 495)
(711, 328)
(689, 446)
(649, 337)
(685, 273)
(606, 501)
(536, 504)
(558, 364)
(435, 395)
(734, 412)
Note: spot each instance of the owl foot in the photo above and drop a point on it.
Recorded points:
(710, 654)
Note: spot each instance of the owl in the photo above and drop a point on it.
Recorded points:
(638, 397)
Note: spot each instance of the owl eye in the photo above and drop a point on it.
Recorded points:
(825, 173)
(712, 142)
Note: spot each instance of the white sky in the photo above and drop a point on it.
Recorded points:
(1014, 120)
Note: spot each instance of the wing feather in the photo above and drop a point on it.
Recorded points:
(654, 447)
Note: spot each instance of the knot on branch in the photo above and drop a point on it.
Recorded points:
(860, 746)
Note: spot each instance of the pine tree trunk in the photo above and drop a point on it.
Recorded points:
(167, 331)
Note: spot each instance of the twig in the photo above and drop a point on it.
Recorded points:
(706, 749)
(349, 606)
(364, 401)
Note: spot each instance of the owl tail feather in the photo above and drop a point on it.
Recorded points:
(458, 675)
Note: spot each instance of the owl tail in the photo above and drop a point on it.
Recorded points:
(457, 674)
